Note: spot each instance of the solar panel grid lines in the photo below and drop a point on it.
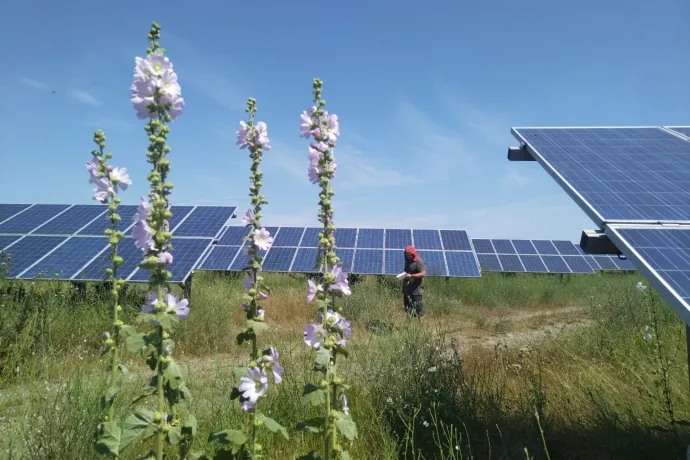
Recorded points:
(98, 226)
(186, 254)
(683, 130)
(95, 269)
(29, 250)
(31, 218)
(71, 221)
(662, 255)
(621, 174)
(9, 210)
(66, 259)
(204, 221)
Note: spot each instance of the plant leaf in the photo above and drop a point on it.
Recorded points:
(313, 395)
(272, 425)
(346, 426)
(174, 374)
(257, 326)
(189, 426)
(344, 455)
(175, 435)
(134, 425)
(323, 358)
(127, 331)
(108, 442)
(235, 437)
(312, 425)
(135, 343)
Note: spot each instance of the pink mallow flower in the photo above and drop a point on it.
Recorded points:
(263, 239)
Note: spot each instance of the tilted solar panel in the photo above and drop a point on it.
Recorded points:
(31, 218)
(29, 250)
(68, 259)
(95, 270)
(100, 224)
(186, 254)
(9, 210)
(72, 220)
(204, 221)
(684, 130)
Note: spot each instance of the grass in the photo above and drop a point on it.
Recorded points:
(494, 357)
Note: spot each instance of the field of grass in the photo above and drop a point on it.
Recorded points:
(492, 358)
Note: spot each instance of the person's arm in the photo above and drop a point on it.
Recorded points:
(421, 274)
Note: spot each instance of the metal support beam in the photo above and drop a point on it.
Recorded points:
(597, 242)
(519, 154)
(187, 287)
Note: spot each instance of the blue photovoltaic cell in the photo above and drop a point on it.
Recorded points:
(95, 271)
(684, 130)
(630, 174)
(71, 220)
(533, 263)
(462, 264)
(663, 257)
(368, 238)
(68, 259)
(242, 259)
(524, 247)
(6, 240)
(186, 253)
(503, 247)
(288, 236)
(98, 226)
(605, 262)
(566, 248)
(434, 263)
(346, 255)
(9, 210)
(234, 236)
(489, 262)
(483, 246)
(219, 258)
(511, 263)
(310, 239)
(592, 262)
(30, 249)
(31, 218)
(279, 259)
(305, 261)
(427, 239)
(395, 261)
(205, 221)
(368, 261)
(178, 213)
(455, 240)
(578, 264)
(545, 247)
(345, 238)
(555, 264)
(397, 238)
(623, 264)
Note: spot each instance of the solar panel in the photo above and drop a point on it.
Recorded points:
(427, 239)
(503, 247)
(605, 262)
(455, 240)
(305, 261)
(95, 270)
(533, 263)
(28, 220)
(186, 253)
(71, 221)
(434, 263)
(288, 236)
(219, 258)
(6, 240)
(545, 247)
(346, 237)
(555, 264)
(623, 264)
(578, 264)
(98, 226)
(617, 174)
(279, 259)
(67, 259)
(489, 263)
(234, 236)
(397, 238)
(566, 248)
(242, 259)
(29, 250)
(462, 264)
(394, 261)
(368, 261)
(511, 263)
(371, 238)
(524, 247)
(483, 246)
(204, 221)
(346, 256)
(662, 255)
(9, 210)
(684, 130)
(310, 239)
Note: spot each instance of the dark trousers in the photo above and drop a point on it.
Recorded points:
(414, 305)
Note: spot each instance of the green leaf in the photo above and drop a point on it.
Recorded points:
(257, 326)
(346, 426)
(127, 331)
(239, 372)
(109, 396)
(168, 320)
(313, 455)
(175, 435)
(323, 358)
(235, 437)
(243, 336)
(312, 425)
(189, 426)
(134, 425)
(122, 368)
(174, 375)
(108, 442)
(272, 425)
(184, 393)
(135, 343)
(344, 455)
(313, 395)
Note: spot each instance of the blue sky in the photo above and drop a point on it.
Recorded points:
(426, 94)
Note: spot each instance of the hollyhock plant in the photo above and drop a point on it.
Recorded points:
(254, 382)
(108, 180)
(329, 335)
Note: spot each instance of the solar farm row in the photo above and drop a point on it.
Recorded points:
(635, 184)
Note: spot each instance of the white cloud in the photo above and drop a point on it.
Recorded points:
(357, 169)
(85, 97)
(33, 83)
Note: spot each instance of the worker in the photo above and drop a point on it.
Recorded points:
(412, 283)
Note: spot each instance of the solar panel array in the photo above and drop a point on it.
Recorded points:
(635, 184)
(66, 241)
(361, 250)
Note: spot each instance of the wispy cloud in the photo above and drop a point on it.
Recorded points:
(85, 97)
(31, 83)
(358, 168)
(514, 178)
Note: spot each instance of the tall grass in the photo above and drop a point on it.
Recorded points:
(447, 390)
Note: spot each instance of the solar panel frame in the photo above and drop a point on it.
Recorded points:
(71, 221)
(598, 212)
(204, 221)
(666, 282)
(682, 130)
(31, 218)
(31, 249)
